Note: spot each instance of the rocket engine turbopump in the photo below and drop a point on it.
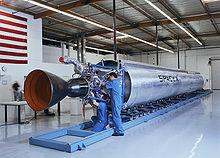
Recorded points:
(141, 83)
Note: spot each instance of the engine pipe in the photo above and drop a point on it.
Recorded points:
(78, 66)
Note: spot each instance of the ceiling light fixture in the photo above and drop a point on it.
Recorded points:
(96, 24)
(208, 1)
(103, 50)
(119, 37)
(168, 17)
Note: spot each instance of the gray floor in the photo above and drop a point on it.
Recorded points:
(192, 131)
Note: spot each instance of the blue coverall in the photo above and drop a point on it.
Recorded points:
(116, 103)
(100, 121)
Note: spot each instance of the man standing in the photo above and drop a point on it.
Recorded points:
(15, 88)
(115, 88)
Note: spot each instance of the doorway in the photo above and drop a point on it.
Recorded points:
(215, 72)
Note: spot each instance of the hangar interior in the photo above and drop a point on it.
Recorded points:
(172, 34)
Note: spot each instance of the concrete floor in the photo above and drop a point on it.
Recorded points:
(190, 131)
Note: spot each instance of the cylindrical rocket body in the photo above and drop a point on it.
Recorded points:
(145, 83)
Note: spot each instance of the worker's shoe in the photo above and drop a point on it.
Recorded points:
(118, 134)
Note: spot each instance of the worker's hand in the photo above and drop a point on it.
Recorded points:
(103, 83)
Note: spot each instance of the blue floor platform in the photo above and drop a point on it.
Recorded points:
(79, 137)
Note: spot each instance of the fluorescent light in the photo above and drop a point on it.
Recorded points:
(103, 50)
(119, 37)
(207, 1)
(68, 14)
(94, 23)
(168, 17)
(151, 44)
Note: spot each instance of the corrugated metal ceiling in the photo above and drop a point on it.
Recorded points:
(134, 17)
(204, 26)
(186, 8)
(214, 6)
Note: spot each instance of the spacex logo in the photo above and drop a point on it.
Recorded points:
(164, 78)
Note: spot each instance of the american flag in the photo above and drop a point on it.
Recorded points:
(13, 38)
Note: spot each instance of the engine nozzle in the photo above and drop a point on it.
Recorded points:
(43, 89)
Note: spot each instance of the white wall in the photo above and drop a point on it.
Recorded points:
(197, 60)
(215, 71)
(18, 71)
(120, 56)
(140, 58)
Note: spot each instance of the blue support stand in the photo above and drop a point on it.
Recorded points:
(89, 137)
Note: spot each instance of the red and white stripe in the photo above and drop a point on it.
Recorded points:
(13, 38)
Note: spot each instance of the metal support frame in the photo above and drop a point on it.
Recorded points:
(114, 27)
(62, 47)
(178, 52)
(6, 114)
(68, 50)
(83, 48)
(18, 113)
(157, 35)
(89, 137)
(58, 108)
(35, 114)
(78, 47)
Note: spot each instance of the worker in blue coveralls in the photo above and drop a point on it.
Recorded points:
(115, 88)
(101, 120)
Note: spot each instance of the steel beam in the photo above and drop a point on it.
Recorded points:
(82, 48)
(169, 38)
(16, 9)
(172, 11)
(123, 20)
(157, 53)
(212, 20)
(160, 22)
(78, 47)
(146, 14)
(178, 52)
(114, 27)
(65, 7)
